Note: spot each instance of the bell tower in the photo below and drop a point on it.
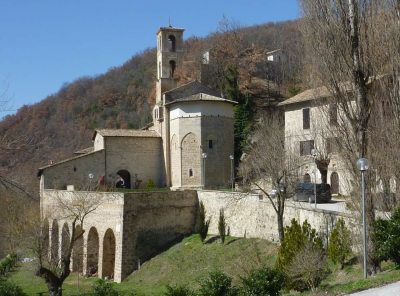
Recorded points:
(169, 58)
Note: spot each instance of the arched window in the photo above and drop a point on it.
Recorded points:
(172, 43)
(334, 183)
(307, 178)
(172, 66)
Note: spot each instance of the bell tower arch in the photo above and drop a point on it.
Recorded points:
(169, 58)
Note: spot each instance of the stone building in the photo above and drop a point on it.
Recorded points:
(310, 123)
(187, 146)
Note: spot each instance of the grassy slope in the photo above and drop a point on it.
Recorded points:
(184, 263)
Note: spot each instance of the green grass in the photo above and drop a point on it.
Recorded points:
(185, 264)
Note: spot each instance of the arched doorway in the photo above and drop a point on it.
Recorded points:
(45, 239)
(92, 252)
(125, 180)
(108, 254)
(77, 251)
(54, 241)
(65, 240)
(334, 183)
(307, 178)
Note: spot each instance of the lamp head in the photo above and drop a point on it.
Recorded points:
(362, 164)
(204, 155)
(231, 157)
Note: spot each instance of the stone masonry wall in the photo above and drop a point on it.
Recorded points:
(250, 215)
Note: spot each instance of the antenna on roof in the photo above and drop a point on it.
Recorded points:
(169, 21)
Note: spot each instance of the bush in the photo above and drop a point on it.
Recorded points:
(203, 225)
(308, 268)
(103, 287)
(222, 226)
(339, 243)
(387, 238)
(10, 289)
(297, 238)
(218, 284)
(150, 184)
(263, 281)
(178, 291)
(7, 263)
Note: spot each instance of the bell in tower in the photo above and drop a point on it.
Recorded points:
(169, 58)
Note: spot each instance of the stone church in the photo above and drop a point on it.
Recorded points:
(189, 144)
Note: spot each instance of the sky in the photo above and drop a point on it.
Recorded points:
(46, 43)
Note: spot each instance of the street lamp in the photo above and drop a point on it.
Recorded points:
(362, 165)
(314, 155)
(232, 172)
(204, 156)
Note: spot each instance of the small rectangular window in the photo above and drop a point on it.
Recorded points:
(306, 118)
(190, 173)
(210, 144)
(306, 147)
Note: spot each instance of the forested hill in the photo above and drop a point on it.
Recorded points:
(123, 97)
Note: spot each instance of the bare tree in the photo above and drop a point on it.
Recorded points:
(347, 42)
(73, 207)
(268, 167)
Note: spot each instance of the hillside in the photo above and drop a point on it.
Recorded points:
(123, 97)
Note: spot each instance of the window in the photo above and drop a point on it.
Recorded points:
(172, 66)
(306, 147)
(331, 145)
(307, 178)
(333, 114)
(172, 43)
(190, 173)
(210, 144)
(306, 118)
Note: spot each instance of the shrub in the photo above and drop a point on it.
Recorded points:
(103, 287)
(308, 268)
(263, 281)
(387, 237)
(10, 289)
(339, 243)
(297, 238)
(222, 226)
(178, 291)
(150, 184)
(7, 263)
(218, 284)
(203, 225)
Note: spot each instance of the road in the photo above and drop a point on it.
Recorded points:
(388, 290)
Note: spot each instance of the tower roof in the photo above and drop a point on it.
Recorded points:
(170, 29)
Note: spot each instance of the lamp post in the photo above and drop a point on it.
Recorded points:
(232, 172)
(91, 176)
(362, 165)
(314, 155)
(204, 156)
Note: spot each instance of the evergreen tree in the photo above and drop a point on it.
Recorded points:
(222, 226)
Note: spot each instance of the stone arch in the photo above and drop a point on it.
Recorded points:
(175, 164)
(77, 252)
(125, 180)
(92, 250)
(334, 183)
(65, 240)
(54, 241)
(45, 237)
(307, 178)
(108, 254)
(190, 160)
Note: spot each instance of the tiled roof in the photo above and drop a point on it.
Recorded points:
(307, 95)
(68, 159)
(201, 97)
(85, 151)
(189, 89)
(126, 133)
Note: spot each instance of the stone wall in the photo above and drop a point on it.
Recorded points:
(75, 171)
(251, 215)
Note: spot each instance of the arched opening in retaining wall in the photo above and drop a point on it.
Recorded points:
(45, 239)
(77, 252)
(108, 254)
(125, 179)
(54, 241)
(92, 250)
(65, 240)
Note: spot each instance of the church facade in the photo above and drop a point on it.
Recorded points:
(189, 144)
